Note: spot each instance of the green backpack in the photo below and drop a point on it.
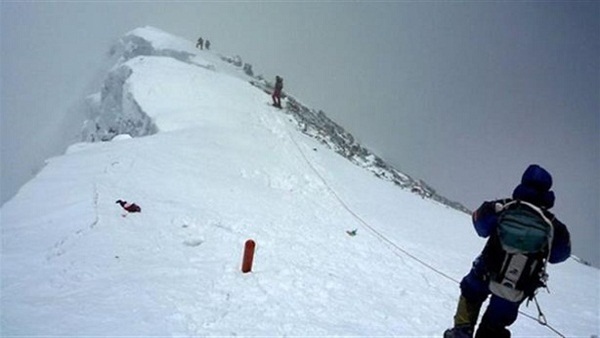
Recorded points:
(524, 228)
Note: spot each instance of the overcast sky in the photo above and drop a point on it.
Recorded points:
(463, 95)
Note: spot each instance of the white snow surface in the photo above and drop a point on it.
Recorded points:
(225, 167)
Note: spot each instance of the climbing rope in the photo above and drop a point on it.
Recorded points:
(377, 234)
(541, 317)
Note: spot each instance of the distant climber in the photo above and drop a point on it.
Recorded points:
(129, 207)
(200, 43)
(523, 237)
(207, 45)
(277, 92)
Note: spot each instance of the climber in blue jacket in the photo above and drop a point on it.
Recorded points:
(509, 275)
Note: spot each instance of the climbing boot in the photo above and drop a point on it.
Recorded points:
(465, 331)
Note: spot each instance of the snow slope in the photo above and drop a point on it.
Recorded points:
(218, 166)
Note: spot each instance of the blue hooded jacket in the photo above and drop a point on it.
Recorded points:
(534, 188)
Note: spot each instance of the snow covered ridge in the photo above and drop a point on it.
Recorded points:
(116, 111)
(319, 126)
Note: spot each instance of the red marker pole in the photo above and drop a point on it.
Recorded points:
(248, 256)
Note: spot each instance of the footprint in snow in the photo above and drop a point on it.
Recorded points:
(193, 242)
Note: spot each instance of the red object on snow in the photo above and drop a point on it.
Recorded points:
(248, 256)
(130, 207)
